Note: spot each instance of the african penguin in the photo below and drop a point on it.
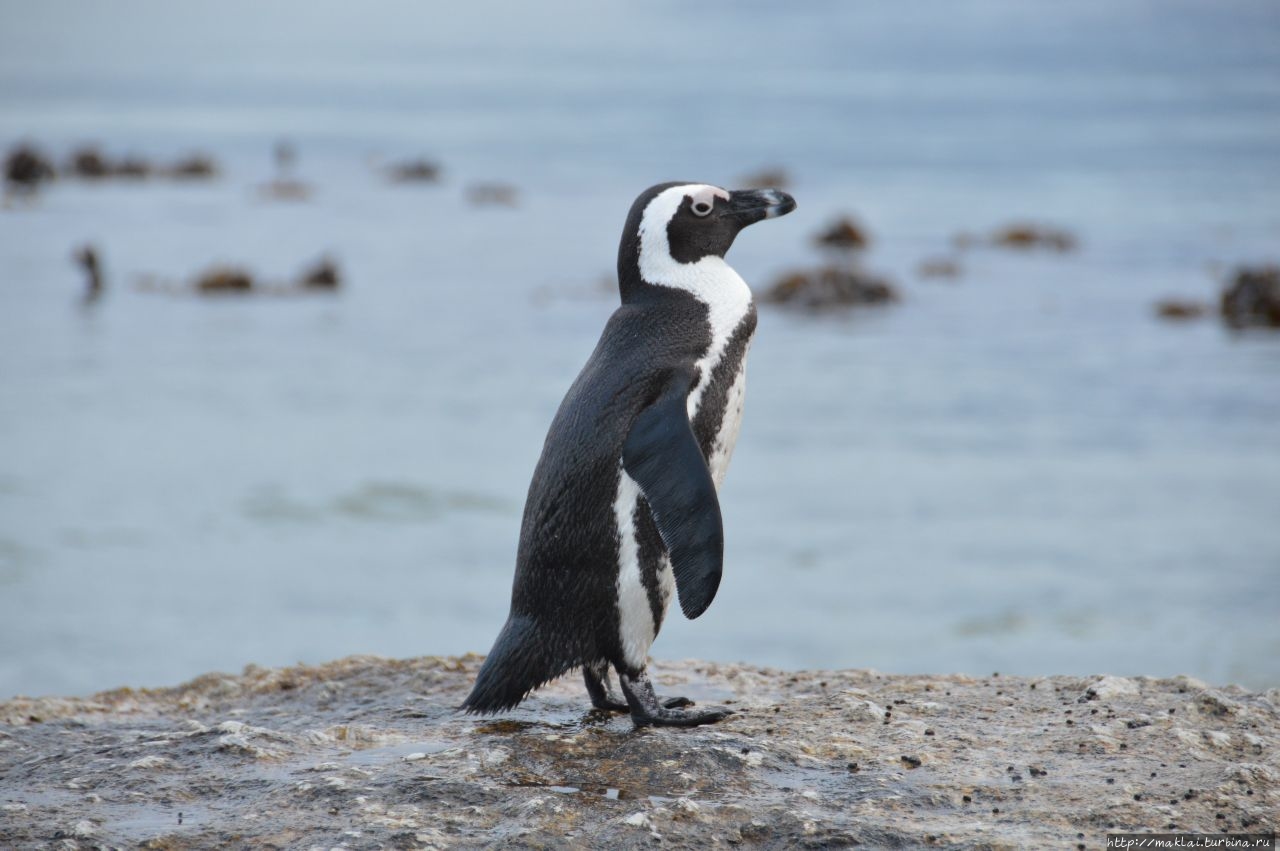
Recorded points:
(622, 513)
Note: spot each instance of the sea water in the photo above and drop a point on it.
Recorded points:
(1020, 469)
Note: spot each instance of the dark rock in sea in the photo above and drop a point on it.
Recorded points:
(89, 163)
(372, 753)
(285, 189)
(843, 234)
(938, 267)
(1179, 309)
(492, 194)
(772, 177)
(414, 171)
(1028, 236)
(25, 167)
(1253, 298)
(133, 168)
(193, 167)
(324, 275)
(830, 287)
(224, 280)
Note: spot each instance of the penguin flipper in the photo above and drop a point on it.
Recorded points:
(663, 456)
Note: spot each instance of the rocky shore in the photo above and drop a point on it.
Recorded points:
(367, 753)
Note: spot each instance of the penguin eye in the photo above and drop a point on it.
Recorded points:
(701, 208)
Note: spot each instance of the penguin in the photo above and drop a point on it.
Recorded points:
(622, 513)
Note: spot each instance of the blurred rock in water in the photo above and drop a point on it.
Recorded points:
(845, 235)
(414, 171)
(89, 163)
(26, 167)
(830, 286)
(770, 177)
(285, 190)
(1253, 298)
(224, 280)
(193, 167)
(1020, 237)
(839, 283)
(492, 194)
(938, 267)
(1179, 309)
(134, 168)
(324, 275)
(1027, 236)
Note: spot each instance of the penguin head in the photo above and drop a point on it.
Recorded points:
(686, 223)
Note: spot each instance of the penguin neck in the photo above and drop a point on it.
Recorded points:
(647, 271)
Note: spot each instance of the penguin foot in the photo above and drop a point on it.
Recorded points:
(647, 710)
(603, 698)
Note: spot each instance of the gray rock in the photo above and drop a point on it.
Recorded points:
(370, 753)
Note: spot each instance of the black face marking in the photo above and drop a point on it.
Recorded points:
(692, 236)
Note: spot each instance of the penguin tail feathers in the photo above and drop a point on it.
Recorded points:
(522, 659)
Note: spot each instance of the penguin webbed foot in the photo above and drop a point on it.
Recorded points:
(647, 710)
(603, 698)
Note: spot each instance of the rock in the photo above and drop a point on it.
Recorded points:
(1180, 309)
(89, 163)
(770, 177)
(830, 287)
(324, 275)
(276, 758)
(492, 194)
(1253, 298)
(938, 267)
(193, 167)
(285, 189)
(1107, 688)
(133, 168)
(414, 171)
(222, 280)
(1029, 236)
(26, 168)
(843, 234)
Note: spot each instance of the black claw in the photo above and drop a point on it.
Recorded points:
(677, 702)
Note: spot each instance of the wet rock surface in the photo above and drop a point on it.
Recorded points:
(369, 753)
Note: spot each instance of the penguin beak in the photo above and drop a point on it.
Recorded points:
(748, 206)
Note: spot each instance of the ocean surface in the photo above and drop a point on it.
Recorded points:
(1019, 470)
